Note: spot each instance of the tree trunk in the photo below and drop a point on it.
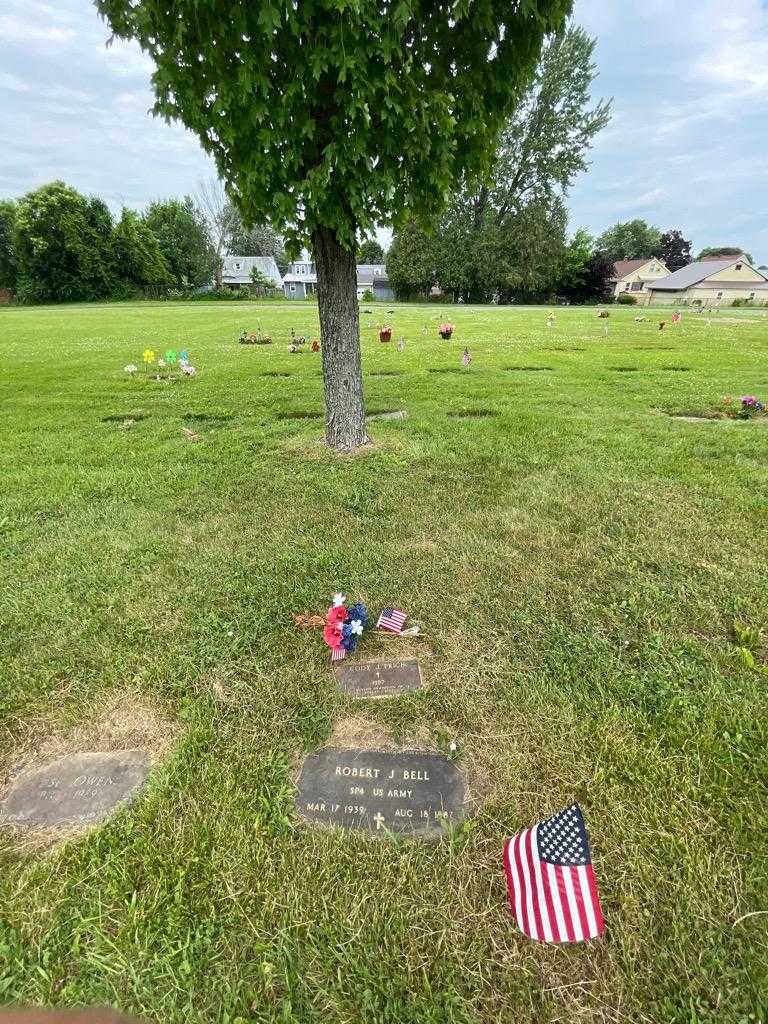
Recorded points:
(340, 337)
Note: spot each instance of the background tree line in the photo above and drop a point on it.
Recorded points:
(58, 245)
(506, 239)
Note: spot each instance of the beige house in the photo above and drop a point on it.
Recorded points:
(712, 283)
(634, 276)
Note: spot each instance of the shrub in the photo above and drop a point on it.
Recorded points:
(368, 295)
(626, 299)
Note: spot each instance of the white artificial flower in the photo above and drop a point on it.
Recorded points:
(339, 599)
(130, 368)
(356, 626)
(161, 362)
(452, 747)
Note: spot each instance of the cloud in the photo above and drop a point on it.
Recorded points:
(685, 145)
(19, 30)
(684, 148)
(11, 83)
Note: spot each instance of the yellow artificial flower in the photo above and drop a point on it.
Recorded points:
(149, 355)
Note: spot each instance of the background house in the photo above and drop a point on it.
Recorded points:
(635, 275)
(236, 272)
(373, 277)
(301, 280)
(712, 283)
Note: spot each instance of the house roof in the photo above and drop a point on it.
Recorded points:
(623, 268)
(695, 273)
(237, 269)
(368, 273)
(303, 278)
(747, 286)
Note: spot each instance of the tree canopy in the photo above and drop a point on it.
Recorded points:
(369, 251)
(182, 237)
(260, 240)
(139, 262)
(338, 114)
(724, 251)
(505, 235)
(630, 240)
(7, 249)
(674, 250)
(62, 241)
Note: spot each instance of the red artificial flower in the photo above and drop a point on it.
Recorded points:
(336, 615)
(332, 636)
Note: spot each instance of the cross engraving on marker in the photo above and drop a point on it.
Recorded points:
(379, 819)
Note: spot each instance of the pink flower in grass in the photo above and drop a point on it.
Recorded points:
(336, 615)
(333, 636)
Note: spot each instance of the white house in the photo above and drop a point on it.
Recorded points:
(712, 282)
(237, 271)
(301, 280)
(635, 276)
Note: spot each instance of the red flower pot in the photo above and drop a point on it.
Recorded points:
(385, 334)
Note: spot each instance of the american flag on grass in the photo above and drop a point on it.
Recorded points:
(392, 620)
(552, 888)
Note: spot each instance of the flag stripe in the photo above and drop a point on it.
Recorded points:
(520, 874)
(572, 907)
(553, 888)
(594, 901)
(586, 900)
(551, 929)
(528, 886)
(584, 923)
(534, 864)
(563, 894)
(513, 880)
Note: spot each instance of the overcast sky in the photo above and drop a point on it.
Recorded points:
(686, 147)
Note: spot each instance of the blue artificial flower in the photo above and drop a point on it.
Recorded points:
(346, 630)
(357, 611)
(349, 643)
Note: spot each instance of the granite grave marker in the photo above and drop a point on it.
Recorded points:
(380, 678)
(412, 793)
(76, 791)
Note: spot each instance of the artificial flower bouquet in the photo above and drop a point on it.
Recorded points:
(749, 407)
(385, 333)
(259, 338)
(173, 365)
(445, 330)
(344, 626)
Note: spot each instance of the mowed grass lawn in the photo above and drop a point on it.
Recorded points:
(577, 559)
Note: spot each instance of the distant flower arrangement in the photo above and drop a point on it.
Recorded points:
(385, 333)
(259, 338)
(172, 365)
(749, 407)
(445, 330)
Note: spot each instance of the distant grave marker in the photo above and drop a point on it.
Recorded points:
(411, 793)
(388, 414)
(380, 678)
(78, 790)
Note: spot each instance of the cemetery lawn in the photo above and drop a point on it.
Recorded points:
(577, 559)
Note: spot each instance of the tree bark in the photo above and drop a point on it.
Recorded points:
(340, 337)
